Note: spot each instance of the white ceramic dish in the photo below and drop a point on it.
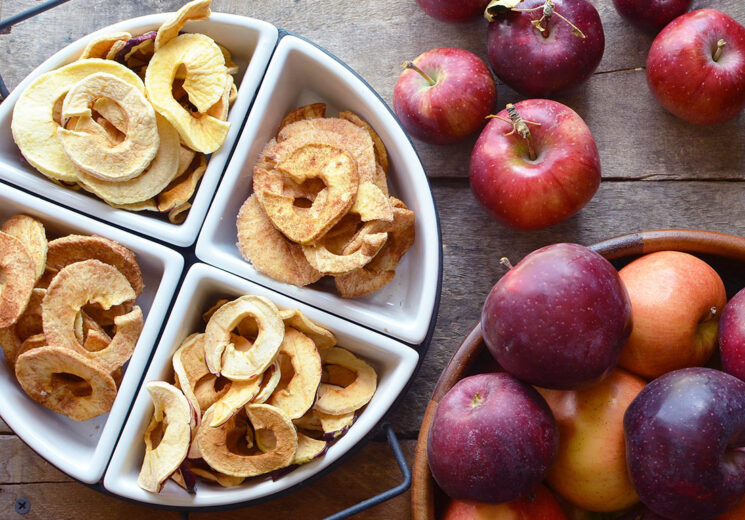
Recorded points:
(301, 73)
(83, 449)
(203, 285)
(251, 43)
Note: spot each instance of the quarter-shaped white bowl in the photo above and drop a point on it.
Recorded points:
(83, 449)
(301, 73)
(203, 286)
(251, 43)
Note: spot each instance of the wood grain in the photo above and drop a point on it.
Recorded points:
(20, 464)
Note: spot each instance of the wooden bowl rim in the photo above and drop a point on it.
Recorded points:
(687, 240)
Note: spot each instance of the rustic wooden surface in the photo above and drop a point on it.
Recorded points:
(658, 172)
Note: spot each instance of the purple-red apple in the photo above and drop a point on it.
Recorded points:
(540, 174)
(676, 299)
(732, 336)
(444, 95)
(685, 435)
(651, 15)
(559, 318)
(492, 439)
(541, 506)
(696, 67)
(590, 469)
(453, 10)
(539, 54)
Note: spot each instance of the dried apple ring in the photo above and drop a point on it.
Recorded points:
(221, 108)
(194, 10)
(239, 394)
(34, 128)
(100, 47)
(30, 323)
(158, 174)
(215, 443)
(322, 337)
(312, 111)
(76, 248)
(189, 367)
(32, 235)
(297, 396)
(171, 416)
(183, 186)
(223, 480)
(32, 342)
(96, 156)
(270, 252)
(269, 381)
(10, 343)
(372, 203)
(204, 82)
(66, 382)
(355, 256)
(338, 401)
(210, 389)
(221, 355)
(308, 449)
(381, 155)
(19, 273)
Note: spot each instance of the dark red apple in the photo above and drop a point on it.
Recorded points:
(531, 188)
(539, 63)
(444, 95)
(559, 318)
(492, 439)
(685, 436)
(453, 10)
(696, 67)
(651, 15)
(732, 336)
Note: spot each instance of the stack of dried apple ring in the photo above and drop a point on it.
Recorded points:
(68, 322)
(321, 205)
(261, 391)
(138, 146)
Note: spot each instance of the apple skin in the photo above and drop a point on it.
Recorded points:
(683, 75)
(531, 194)
(559, 318)
(672, 294)
(536, 66)
(543, 506)
(590, 469)
(492, 439)
(732, 336)
(453, 10)
(456, 106)
(651, 15)
(684, 437)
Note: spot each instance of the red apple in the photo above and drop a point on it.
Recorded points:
(559, 318)
(732, 336)
(676, 300)
(492, 439)
(651, 15)
(541, 506)
(444, 95)
(532, 189)
(453, 10)
(539, 63)
(696, 67)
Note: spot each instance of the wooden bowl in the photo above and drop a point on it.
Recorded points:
(725, 253)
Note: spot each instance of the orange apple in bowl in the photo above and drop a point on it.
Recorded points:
(541, 506)
(590, 469)
(676, 301)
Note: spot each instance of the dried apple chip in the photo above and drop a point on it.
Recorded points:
(148, 184)
(33, 237)
(308, 449)
(220, 109)
(312, 111)
(189, 367)
(76, 248)
(270, 252)
(194, 10)
(181, 189)
(334, 426)
(33, 125)
(355, 256)
(32, 342)
(372, 203)
(171, 417)
(338, 401)
(221, 355)
(96, 156)
(30, 322)
(133, 44)
(222, 479)
(178, 214)
(100, 47)
(269, 381)
(204, 82)
(322, 337)
(210, 389)
(66, 382)
(381, 155)
(297, 396)
(239, 394)
(18, 271)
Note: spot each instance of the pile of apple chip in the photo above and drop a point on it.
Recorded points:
(68, 322)
(321, 206)
(137, 145)
(259, 391)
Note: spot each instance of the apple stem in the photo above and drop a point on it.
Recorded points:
(548, 11)
(410, 65)
(476, 400)
(520, 126)
(720, 47)
(505, 262)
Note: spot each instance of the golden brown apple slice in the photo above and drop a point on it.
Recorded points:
(297, 395)
(338, 401)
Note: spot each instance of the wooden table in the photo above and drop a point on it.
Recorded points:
(658, 172)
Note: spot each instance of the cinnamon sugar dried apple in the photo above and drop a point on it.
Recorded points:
(19, 274)
(32, 235)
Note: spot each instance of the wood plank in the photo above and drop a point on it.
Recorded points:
(4, 428)
(20, 464)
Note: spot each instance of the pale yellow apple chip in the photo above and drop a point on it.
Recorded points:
(222, 479)
(115, 49)
(178, 214)
(194, 10)
(239, 394)
(321, 336)
(33, 237)
(269, 381)
(18, 271)
(232, 67)
(66, 382)
(220, 109)
(100, 47)
(296, 396)
(206, 315)
(210, 389)
(185, 157)
(339, 401)
(182, 188)
(145, 205)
